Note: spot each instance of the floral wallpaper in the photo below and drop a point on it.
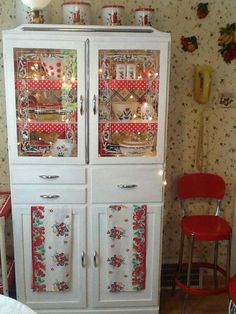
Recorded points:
(200, 136)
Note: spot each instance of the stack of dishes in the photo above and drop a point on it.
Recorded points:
(135, 148)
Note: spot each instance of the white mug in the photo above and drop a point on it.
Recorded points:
(147, 112)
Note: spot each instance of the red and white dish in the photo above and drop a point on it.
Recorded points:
(135, 149)
(124, 111)
(53, 66)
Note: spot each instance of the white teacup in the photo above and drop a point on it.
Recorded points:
(147, 112)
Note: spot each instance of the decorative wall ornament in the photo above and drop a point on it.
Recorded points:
(189, 43)
(227, 41)
(202, 10)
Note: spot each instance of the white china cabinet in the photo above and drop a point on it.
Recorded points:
(86, 111)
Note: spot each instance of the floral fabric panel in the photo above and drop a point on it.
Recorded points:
(126, 237)
(51, 248)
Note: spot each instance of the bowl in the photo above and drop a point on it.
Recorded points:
(135, 148)
(124, 111)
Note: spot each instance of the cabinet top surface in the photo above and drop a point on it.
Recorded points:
(93, 30)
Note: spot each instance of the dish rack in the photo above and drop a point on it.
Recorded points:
(7, 264)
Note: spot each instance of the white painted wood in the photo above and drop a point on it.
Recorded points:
(76, 296)
(48, 194)
(107, 185)
(99, 293)
(29, 174)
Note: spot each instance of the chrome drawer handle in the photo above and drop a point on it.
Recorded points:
(94, 105)
(81, 105)
(83, 259)
(127, 186)
(95, 259)
(45, 176)
(50, 196)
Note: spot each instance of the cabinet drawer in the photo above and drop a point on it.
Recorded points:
(127, 184)
(51, 174)
(42, 194)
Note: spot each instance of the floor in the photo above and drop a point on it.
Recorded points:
(195, 304)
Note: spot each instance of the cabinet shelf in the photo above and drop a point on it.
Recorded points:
(128, 84)
(31, 84)
(48, 127)
(128, 126)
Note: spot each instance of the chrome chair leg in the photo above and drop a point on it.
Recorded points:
(180, 261)
(216, 250)
(228, 260)
(191, 244)
(230, 306)
(190, 259)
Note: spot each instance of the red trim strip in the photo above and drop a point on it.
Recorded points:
(145, 9)
(199, 291)
(113, 6)
(75, 2)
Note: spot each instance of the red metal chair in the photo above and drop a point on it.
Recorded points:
(232, 295)
(202, 186)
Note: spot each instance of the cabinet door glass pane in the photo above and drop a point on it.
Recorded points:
(46, 102)
(128, 103)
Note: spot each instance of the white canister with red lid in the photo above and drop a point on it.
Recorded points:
(113, 15)
(144, 16)
(77, 13)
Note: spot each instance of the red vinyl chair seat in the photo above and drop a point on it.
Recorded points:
(206, 228)
(232, 289)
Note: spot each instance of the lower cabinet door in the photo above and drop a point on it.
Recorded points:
(126, 248)
(56, 243)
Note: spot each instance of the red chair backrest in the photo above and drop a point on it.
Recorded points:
(204, 185)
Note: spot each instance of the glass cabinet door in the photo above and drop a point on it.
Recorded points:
(46, 102)
(128, 103)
